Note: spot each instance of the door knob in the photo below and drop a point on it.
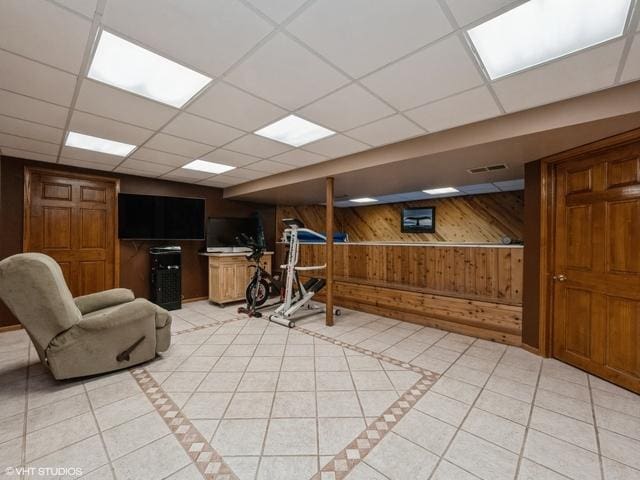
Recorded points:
(560, 278)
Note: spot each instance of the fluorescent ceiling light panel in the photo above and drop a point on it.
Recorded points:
(127, 66)
(541, 30)
(210, 167)
(441, 191)
(294, 131)
(363, 200)
(97, 144)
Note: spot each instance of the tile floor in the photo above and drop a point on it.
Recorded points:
(338, 402)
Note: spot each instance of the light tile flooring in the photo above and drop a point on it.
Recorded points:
(280, 404)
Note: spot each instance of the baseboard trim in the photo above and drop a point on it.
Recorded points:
(196, 299)
(531, 349)
(10, 328)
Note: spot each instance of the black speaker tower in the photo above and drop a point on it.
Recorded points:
(166, 277)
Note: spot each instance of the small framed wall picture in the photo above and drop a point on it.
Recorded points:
(418, 220)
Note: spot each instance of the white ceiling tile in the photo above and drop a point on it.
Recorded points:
(387, 130)
(299, 158)
(359, 36)
(578, 74)
(222, 181)
(100, 99)
(22, 128)
(146, 167)
(201, 130)
(347, 108)
(467, 107)
(31, 109)
(137, 173)
(229, 105)
(21, 143)
(433, 73)
(277, 10)
(40, 30)
(179, 146)
(227, 157)
(510, 185)
(467, 11)
(209, 35)
(285, 73)
(83, 7)
(155, 156)
(41, 157)
(186, 174)
(74, 162)
(101, 127)
(336, 146)
(83, 155)
(27, 77)
(269, 166)
(246, 174)
(479, 188)
(632, 67)
(257, 146)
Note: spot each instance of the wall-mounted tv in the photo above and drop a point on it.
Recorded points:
(151, 217)
(419, 220)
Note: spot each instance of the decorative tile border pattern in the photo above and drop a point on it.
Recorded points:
(346, 460)
(211, 464)
(204, 456)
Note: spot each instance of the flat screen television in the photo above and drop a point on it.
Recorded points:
(151, 217)
(419, 220)
(223, 233)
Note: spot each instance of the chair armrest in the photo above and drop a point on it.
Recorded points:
(109, 298)
(117, 316)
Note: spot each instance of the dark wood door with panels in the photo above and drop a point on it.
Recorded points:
(596, 280)
(73, 218)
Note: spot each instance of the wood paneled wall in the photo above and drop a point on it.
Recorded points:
(469, 219)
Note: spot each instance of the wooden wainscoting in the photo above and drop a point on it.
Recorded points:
(473, 290)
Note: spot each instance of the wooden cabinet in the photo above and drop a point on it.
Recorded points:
(229, 275)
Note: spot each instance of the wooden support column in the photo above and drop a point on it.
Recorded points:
(329, 252)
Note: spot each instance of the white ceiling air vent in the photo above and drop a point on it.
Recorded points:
(488, 168)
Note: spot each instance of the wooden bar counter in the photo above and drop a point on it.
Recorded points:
(472, 289)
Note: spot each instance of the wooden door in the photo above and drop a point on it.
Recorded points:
(596, 321)
(73, 218)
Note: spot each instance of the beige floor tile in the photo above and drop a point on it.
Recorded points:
(448, 471)
(134, 434)
(375, 402)
(298, 364)
(482, 458)
(332, 364)
(294, 405)
(156, 460)
(516, 374)
(564, 405)
(620, 448)
(220, 382)
(101, 473)
(476, 363)
(431, 364)
(334, 434)
(428, 432)
(504, 433)
(296, 350)
(443, 408)
(561, 457)
(239, 437)
(532, 471)
(206, 427)
(556, 369)
(563, 387)
(109, 378)
(486, 354)
(334, 381)
(231, 364)
(183, 381)
(399, 459)
(242, 350)
(258, 382)
(618, 471)
(627, 404)
(291, 436)
(371, 380)
(505, 407)
(209, 350)
(246, 468)
(190, 472)
(86, 455)
(165, 363)
(11, 427)
(565, 428)
(112, 393)
(10, 454)
(510, 388)
(250, 405)
(328, 350)
(618, 422)
(403, 379)
(246, 339)
(220, 339)
(49, 439)
(362, 471)
(296, 382)
(264, 364)
(206, 405)
(122, 411)
(197, 364)
(338, 404)
(269, 350)
(287, 468)
(363, 362)
(456, 389)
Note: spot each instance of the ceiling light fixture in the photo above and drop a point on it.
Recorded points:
(209, 167)
(441, 191)
(125, 65)
(542, 30)
(363, 200)
(97, 144)
(294, 131)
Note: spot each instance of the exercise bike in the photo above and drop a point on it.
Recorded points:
(262, 285)
(296, 294)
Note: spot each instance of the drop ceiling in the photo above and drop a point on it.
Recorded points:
(374, 72)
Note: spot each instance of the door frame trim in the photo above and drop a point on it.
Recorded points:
(26, 210)
(548, 228)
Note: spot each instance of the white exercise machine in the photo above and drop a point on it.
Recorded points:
(298, 295)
